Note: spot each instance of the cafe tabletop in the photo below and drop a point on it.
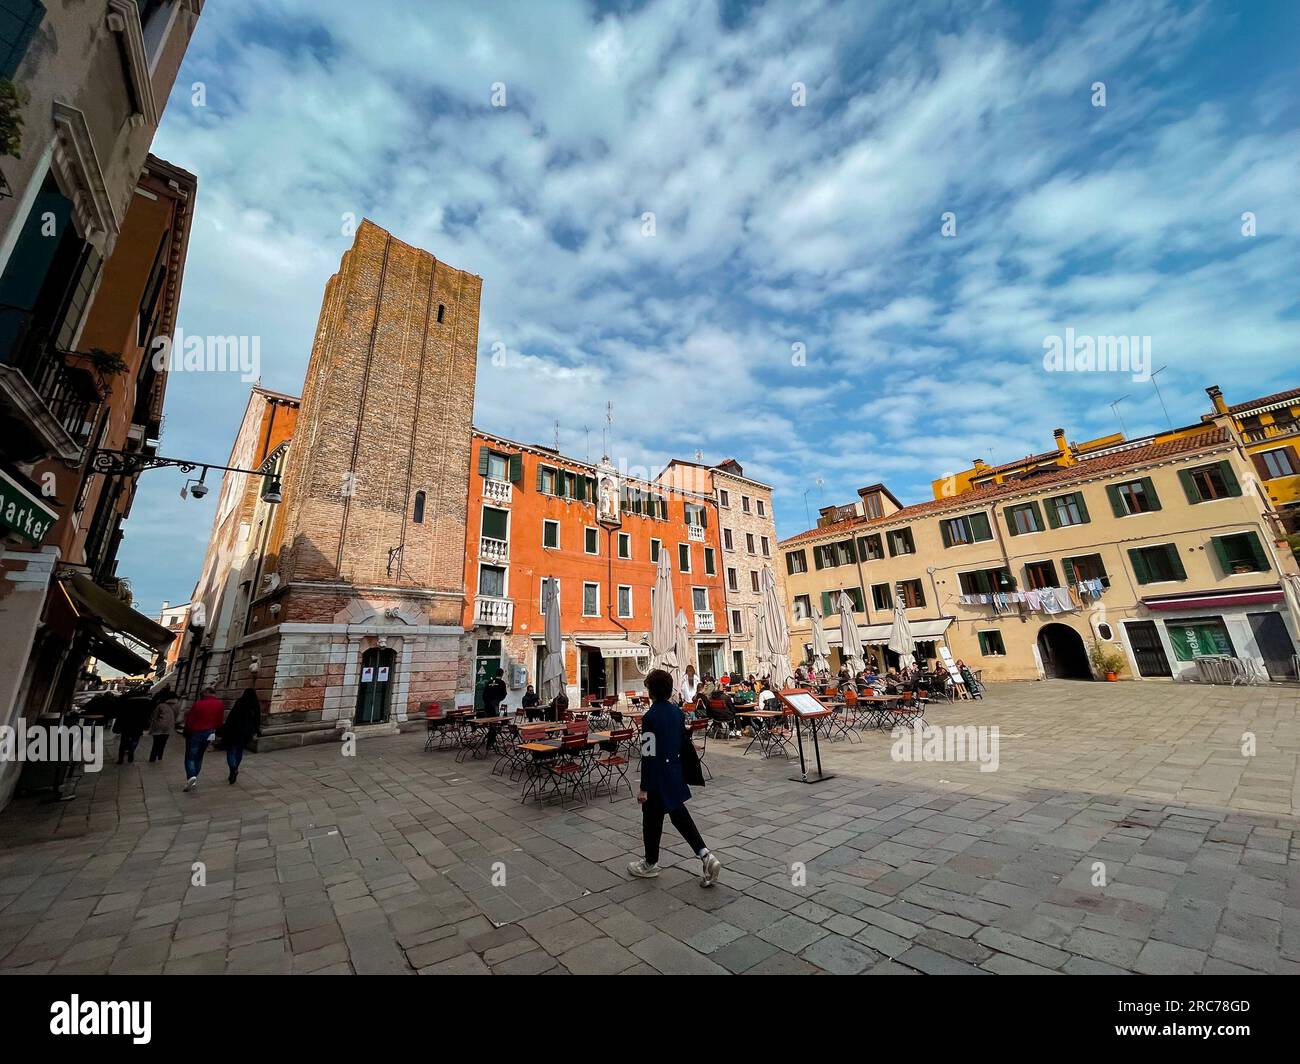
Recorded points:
(551, 745)
(761, 713)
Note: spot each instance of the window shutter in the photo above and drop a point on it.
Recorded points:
(1261, 467)
(1229, 478)
(1150, 490)
(1038, 515)
(1067, 570)
(482, 463)
(984, 643)
(1011, 522)
(980, 525)
(1261, 559)
(817, 557)
(704, 517)
(1221, 552)
(945, 531)
(516, 468)
(1179, 572)
(1189, 486)
(1083, 508)
(1053, 517)
(540, 470)
(1116, 503)
(580, 489)
(1140, 569)
(789, 565)
(826, 604)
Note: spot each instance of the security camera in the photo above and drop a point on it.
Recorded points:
(199, 490)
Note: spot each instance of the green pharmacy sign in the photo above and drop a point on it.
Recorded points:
(22, 514)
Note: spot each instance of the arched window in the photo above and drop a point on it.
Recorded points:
(418, 515)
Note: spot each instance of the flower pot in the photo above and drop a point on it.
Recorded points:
(1111, 677)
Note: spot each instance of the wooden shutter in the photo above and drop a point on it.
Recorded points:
(1141, 571)
(516, 468)
(1261, 559)
(541, 469)
(1221, 552)
(817, 558)
(1229, 478)
(945, 532)
(1189, 486)
(980, 524)
(704, 517)
(1011, 521)
(1067, 571)
(482, 462)
(1179, 572)
(580, 488)
(1150, 490)
(1053, 518)
(1083, 508)
(1116, 502)
(826, 604)
(1261, 467)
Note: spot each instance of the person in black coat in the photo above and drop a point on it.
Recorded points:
(663, 787)
(242, 723)
(132, 720)
(532, 704)
(494, 693)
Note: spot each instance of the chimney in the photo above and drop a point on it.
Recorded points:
(1216, 397)
(1061, 445)
(978, 464)
(164, 604)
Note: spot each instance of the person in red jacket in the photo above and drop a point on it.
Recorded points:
(204, 717)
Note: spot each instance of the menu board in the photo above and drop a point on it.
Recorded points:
(945, 655)
(804, 703)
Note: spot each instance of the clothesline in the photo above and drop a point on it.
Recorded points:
(1040, 600)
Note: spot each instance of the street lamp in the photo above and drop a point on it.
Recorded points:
(132, 463)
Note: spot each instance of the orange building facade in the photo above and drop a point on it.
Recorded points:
(535, 515)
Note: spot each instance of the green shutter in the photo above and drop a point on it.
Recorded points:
(1038, 516)
(516, 468)
(1189, 486)
(482, 462)
(817, 557)
(826, 603)
(1179, 572)
(541, 469)
(1141, 572)
(1067, 570)
(1229, 478)
(704, 517)
(1083, 508)
(1257, 549)
(1053, 517)
(1221, 551)
(984, 643)
(580, 489)
(1011, 522)
(1116, 503)
(1150, 490)
(945, 533)
(980, 525)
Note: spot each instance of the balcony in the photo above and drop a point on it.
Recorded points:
(695, 533)
(492, 612)
(493, 550)
(498, 491)
(49, 399)
(1274, 431)
(704, 620)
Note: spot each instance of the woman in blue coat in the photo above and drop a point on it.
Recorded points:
(663, 790)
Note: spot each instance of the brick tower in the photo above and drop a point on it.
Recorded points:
(364, 586)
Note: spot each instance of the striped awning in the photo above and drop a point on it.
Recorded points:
(1248, 596)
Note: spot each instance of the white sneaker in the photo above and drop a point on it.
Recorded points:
(191, 783)
(712, 870)
(642, 870)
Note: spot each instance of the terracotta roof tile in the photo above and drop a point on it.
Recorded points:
(1267, 400)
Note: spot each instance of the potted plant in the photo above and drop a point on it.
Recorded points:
(1106, 660)
(11, 119)
(107, 363)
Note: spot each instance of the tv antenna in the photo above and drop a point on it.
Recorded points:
(609, 430)
(1168, 420)
(1114, 407)
(557, 436)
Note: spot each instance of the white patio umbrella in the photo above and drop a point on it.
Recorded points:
(821, 646)
(778, 632)
(682, 651)
(663, 632)
(900, 636)
(850, 640)
(552, 678)
(762, 647)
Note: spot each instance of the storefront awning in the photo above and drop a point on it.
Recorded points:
(614, 647)
(1247, 596)
(91, 599)
(117, 655)
(878, 634)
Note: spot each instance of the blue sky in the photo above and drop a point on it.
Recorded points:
(775, 225)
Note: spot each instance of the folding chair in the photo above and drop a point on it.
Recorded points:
(435, 724)
(699, 733)
(568, 771)
(908, 712)
(520, 759)
(610, 767)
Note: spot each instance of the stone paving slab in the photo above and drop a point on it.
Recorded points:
(1123, 831)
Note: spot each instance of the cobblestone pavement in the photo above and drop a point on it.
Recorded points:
(383, 862)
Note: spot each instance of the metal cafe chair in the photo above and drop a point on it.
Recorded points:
(568, 771)
(435, 723)
(699, 734)
(610, 767)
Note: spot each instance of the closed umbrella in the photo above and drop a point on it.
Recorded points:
(821, 646)
(850, 640)
(762, 646)
(552, 679)
(682, 651)
(663, 633)
(778, 632)
(900, 636)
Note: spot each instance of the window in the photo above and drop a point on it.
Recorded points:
(872, 506)
(767, 547)
(551, 534)
(991, 644)
(831, 600)
(1208, 482)
(1240, 552)
(546, 480)
(694, 514)
(565, 484)
(870, 548)
(796, 562)
(590, 541)
(744, 503)
(1023, 519)
(985, 581)
(753, 580)
(973, 528)
(802, 607)
(710, 564)
(492, 581)
(726, 540)
(590, 599)
(911, 593)
(900, 542)
(417, 514)
(442, 313)
(882, 597)
(654, 550)
(1084, 567)
(1279, 463)
(543, 592)
(495, 466)
(736, 628)
(1065, 510)
(724, 498)
(749, 542)
(624, 600)
(624, 545)
(1133, 497)
(732, 580)
(762, 510)
(1151, 565)
(496, 524)
(1040, 574)
(700, 599)
(683, 557)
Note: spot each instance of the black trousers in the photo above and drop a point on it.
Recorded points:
(652, 827)
(159, 745)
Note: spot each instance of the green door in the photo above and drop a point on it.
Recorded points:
(374, 690)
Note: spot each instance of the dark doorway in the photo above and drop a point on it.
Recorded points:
(1275, 645)
(593, 673)
(487, 663)
(1148, 651)
(375, 689)
(1063, 653)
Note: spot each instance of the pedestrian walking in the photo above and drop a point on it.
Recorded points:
(494, 693)
(162, 722)
(201, 721)
(242, 724)
(131, 722)
(666, 753)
